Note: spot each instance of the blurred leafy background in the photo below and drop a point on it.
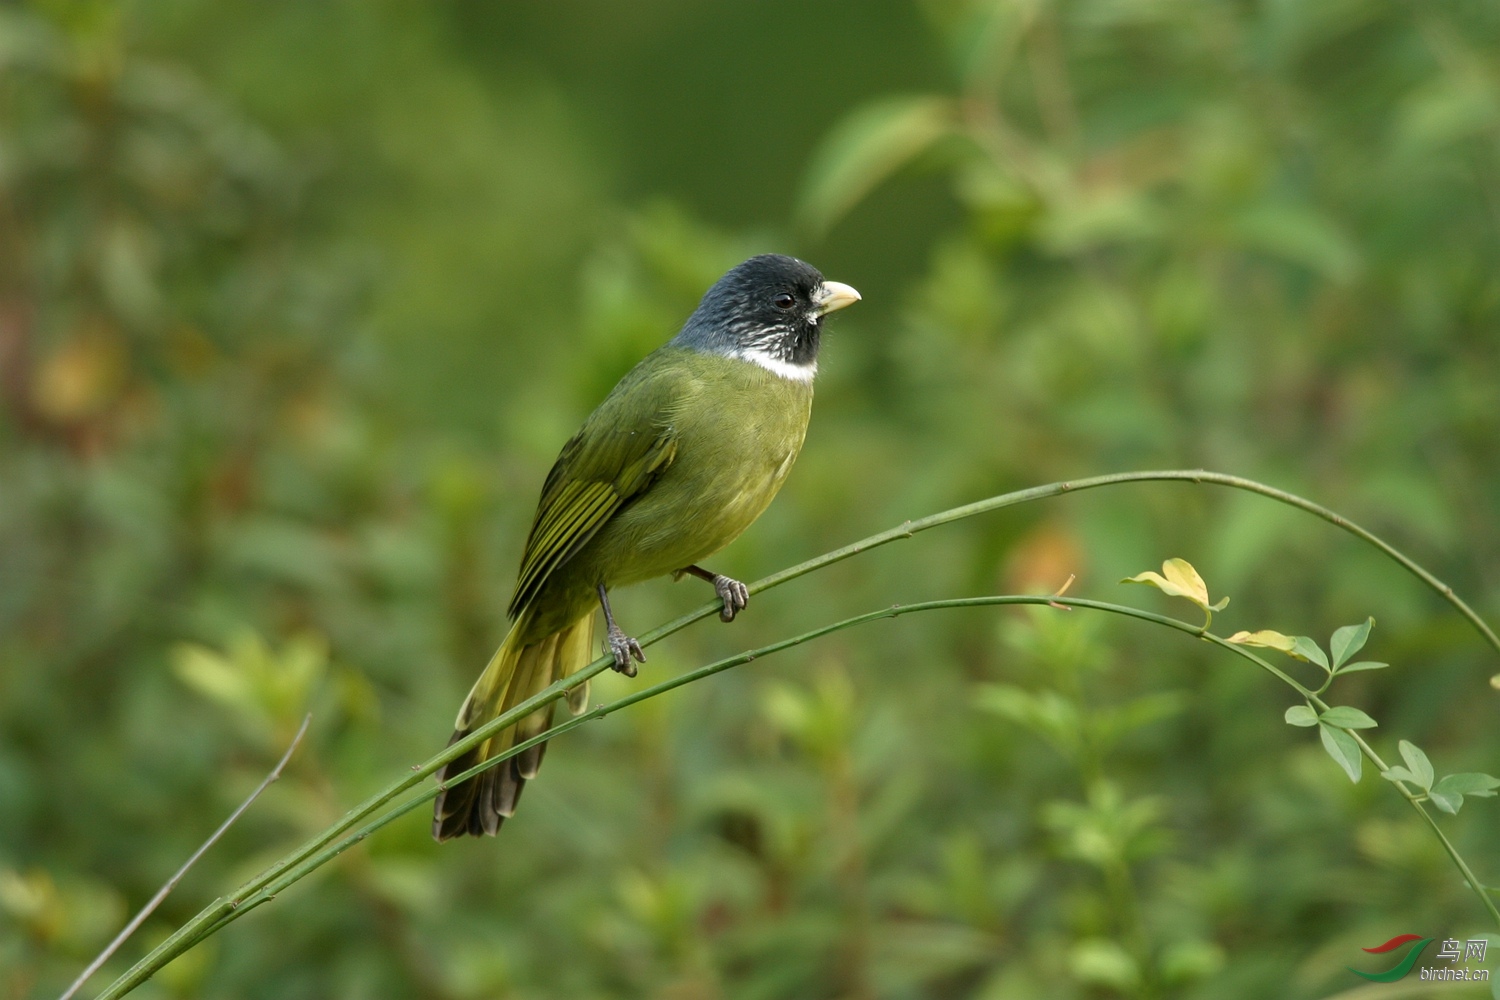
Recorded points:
(298, 301)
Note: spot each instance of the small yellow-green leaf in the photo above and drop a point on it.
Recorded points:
(1182, 573)
(1301, 715)
(1266, 639)
(1348, 718)
(1178, 578)
(1399, 773)
(1156, 580)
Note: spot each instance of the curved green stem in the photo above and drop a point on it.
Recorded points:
(226, 906)
(299, 871)
(226, 911)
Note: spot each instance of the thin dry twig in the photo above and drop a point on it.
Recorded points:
(161, 894)
(1061, 591)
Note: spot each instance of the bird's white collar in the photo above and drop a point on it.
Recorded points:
(776, 366)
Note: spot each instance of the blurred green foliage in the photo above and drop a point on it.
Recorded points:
(297, 302)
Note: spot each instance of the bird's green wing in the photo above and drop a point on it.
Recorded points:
(603, 467)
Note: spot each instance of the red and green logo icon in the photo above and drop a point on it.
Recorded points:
(1402, 967)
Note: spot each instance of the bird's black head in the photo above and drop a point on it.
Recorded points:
(768, 310)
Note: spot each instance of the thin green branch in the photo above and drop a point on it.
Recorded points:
(289, 876)
(298, 871)
(420, 799)
(210, 918)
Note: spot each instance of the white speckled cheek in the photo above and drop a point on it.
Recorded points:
(776, 366)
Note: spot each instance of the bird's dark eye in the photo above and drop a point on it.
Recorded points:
(784, 301)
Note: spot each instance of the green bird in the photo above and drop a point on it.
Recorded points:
(683, 454)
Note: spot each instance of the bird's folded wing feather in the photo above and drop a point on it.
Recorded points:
(606, 465)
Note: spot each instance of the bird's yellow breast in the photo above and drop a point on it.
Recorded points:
(739, 430)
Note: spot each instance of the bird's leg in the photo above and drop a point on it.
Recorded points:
(735, 595)
(616, 643)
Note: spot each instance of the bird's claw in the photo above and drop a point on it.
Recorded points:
(735, 595)
(623, 648)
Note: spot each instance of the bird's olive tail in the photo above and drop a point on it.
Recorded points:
(516, 672)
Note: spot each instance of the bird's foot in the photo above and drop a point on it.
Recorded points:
(623, 648)
(735, 595)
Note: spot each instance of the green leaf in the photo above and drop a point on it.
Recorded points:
(1342, 748)
(1399, 773)
(1350, 668)
(1448, 802)
(1349, 640)
(1417, 763)
(1300, 234)
(1047, 713)
(1348, 718)
(1301, 715)
(1101, 962)
(1187, 961)
(866, 148)
(214, 675)
(1304, 648)
(1468, 783)
(1111, 723)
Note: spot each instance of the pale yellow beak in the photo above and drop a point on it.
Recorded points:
(832, 296)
